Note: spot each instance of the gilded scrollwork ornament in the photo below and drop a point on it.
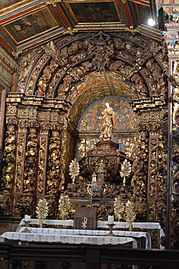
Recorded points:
(119, 208)
(25, 66)
(42, 165)
(53, 172)
(43, 153)
(44, 80)
(139, 170)
(30, 161)
(33, 77)
(20, 157)
(175, 160)
(157, 177)
(9, 157)
(24, 204)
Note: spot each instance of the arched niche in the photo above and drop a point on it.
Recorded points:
(94, 87)
(89, 125)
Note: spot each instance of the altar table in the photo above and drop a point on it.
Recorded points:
(69, 238)
(152, 231)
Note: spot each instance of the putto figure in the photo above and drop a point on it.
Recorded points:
(108, 122)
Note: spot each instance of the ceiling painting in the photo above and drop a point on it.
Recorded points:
(24, 26)
(31, 25)
(96, 12)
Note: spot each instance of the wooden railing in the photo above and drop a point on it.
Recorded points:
(91, 256)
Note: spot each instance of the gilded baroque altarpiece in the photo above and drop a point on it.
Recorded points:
(52, 116)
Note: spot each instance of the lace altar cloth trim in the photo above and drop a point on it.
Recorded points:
(100, 224)
(69, 239)
(125, 225)
(67, 223)
(132, 234)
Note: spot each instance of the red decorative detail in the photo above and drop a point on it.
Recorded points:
(5, 45)
(20, 13)
(128, 13)
(62, 15)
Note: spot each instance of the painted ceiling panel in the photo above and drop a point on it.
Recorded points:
(31, 25)
(26, 24)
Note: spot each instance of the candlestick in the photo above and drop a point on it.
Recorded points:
(111, 225)
(27, 220)
(110, 219)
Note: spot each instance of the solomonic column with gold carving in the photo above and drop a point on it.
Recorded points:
(9, 169)
(42, 159)
(9, 159)
(21, 137)
(55, 169)
(26, 161)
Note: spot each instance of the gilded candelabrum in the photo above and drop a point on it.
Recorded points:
(95, 187)
(119, 208)
(27, 220)
(130, 214)
(74, 170)
(42, 211)
(125, 211)
(125, 170)
(64, 206)
(111, 225)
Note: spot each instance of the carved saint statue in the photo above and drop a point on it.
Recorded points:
(108, 121)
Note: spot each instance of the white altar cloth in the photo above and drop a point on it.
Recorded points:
(132, 234)
(100, 224)
(69, 239)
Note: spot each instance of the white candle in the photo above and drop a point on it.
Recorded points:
(110, 219)
(27, 217)
(93, 177)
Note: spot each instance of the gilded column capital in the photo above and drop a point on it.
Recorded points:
(44, 127)
(22, 125)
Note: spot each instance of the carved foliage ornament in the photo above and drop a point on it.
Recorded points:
(60, 68)
(54, 164)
